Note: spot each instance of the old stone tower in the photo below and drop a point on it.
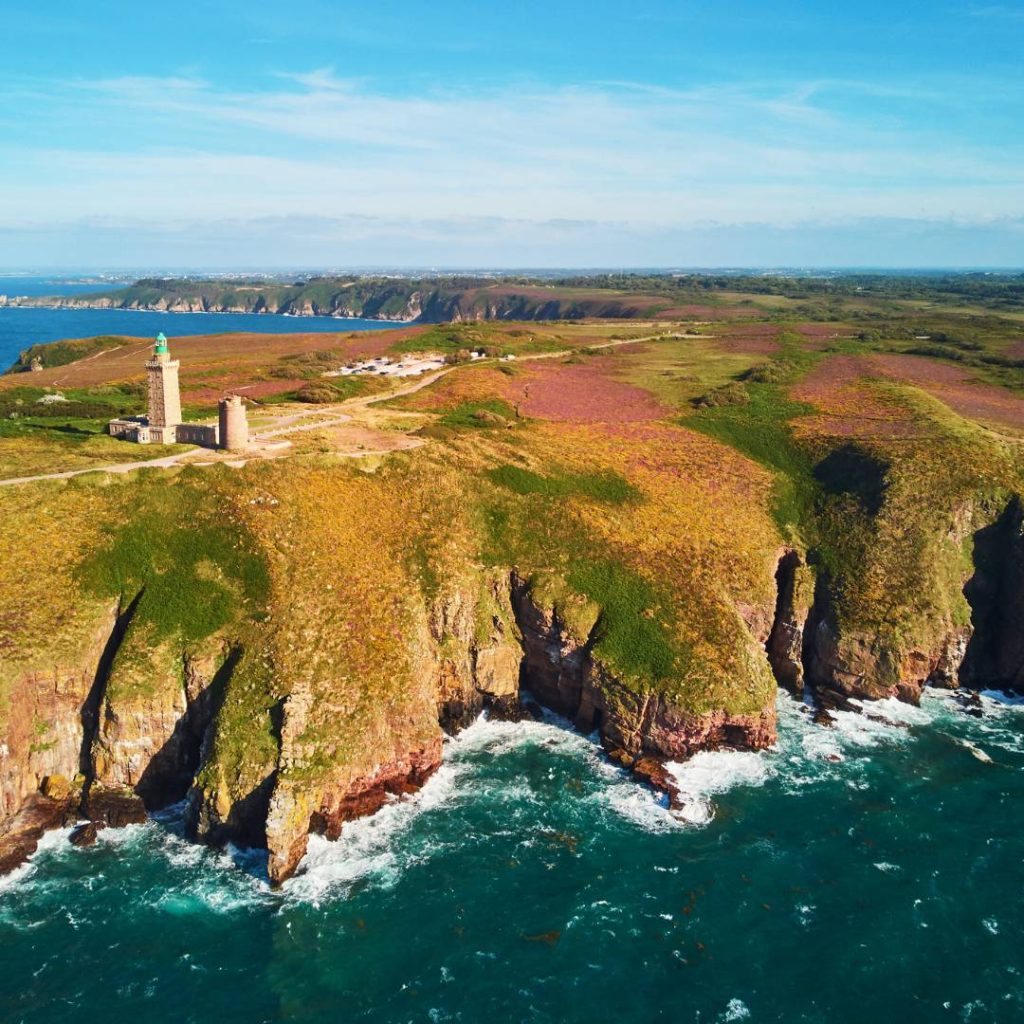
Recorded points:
(234, 426)
(163, 424)
(164, 395)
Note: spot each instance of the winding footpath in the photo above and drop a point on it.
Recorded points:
(292, 424)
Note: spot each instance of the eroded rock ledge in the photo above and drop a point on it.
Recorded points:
(114, 751)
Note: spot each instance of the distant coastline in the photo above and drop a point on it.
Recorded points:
(96, 303)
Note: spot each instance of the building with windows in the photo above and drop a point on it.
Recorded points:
(163, 425)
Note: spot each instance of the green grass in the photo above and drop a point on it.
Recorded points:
(530, 524)
(80, 403)
(761, 431)
(194, 572)
(479, 415)
(445, 338)
(60, 353)
(628, 635)
(606, 486)
(327, 390)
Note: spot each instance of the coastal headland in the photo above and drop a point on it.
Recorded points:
(647, 525)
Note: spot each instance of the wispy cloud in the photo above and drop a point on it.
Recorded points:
(617, 156)
(997, 11)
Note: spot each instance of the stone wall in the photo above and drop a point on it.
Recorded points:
(197, 433)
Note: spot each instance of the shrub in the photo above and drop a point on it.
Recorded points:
(733, 393)
(317, 393)
(774, 372)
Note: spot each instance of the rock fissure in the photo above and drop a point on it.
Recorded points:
(992, 647)
(93, 704)
(785, 645)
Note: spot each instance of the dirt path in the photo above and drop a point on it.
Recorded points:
(120, 467)
(292, 423)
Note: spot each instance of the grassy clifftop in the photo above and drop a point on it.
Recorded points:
(621, 519)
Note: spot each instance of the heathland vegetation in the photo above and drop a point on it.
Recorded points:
(648, 524)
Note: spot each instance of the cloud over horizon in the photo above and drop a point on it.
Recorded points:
(920, 164)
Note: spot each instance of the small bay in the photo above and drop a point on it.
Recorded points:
(23, 326)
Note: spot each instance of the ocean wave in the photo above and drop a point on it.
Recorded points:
(615, 789)
(710, 773)
(378, 849)
(736, 1010)
(636, 804)
(1005, 699)
(51, 842)
(369, 847)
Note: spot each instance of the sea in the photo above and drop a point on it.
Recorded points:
(22, 326)
(871, 872)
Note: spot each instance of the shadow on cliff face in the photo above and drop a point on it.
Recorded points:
(246, 821)
(995, 652)
(556, 666)
(246, 824)
(90, 711)
(169, 774)
(785, 642)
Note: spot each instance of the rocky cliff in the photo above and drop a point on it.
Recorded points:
(115, 749)
(284, 646)
(392, 299)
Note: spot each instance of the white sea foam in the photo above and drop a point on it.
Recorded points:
(975, 750)
(858, 730)
(736, 1010)
(368, 847)
(126, 835)
(710, 773)
(638, 805)
(998, 697)
(50, 842)
(377, 849)
(619, 792)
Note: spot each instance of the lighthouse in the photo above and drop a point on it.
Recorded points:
(163, 424)
(164, 394)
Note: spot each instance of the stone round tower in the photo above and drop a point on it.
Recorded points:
(234, 424)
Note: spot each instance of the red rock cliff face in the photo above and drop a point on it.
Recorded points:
(474, 646)
(43, 731)
(299, 807)
(75, 747)
(972, 638)
(460, 657)
(467, 652)
(560, 669)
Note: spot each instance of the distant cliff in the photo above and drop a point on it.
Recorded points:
(399, 299)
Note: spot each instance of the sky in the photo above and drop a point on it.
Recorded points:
(525, 133)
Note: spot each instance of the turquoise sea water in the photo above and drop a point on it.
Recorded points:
(21, 327)
(868, 873)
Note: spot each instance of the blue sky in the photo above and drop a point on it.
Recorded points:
(330, 134)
